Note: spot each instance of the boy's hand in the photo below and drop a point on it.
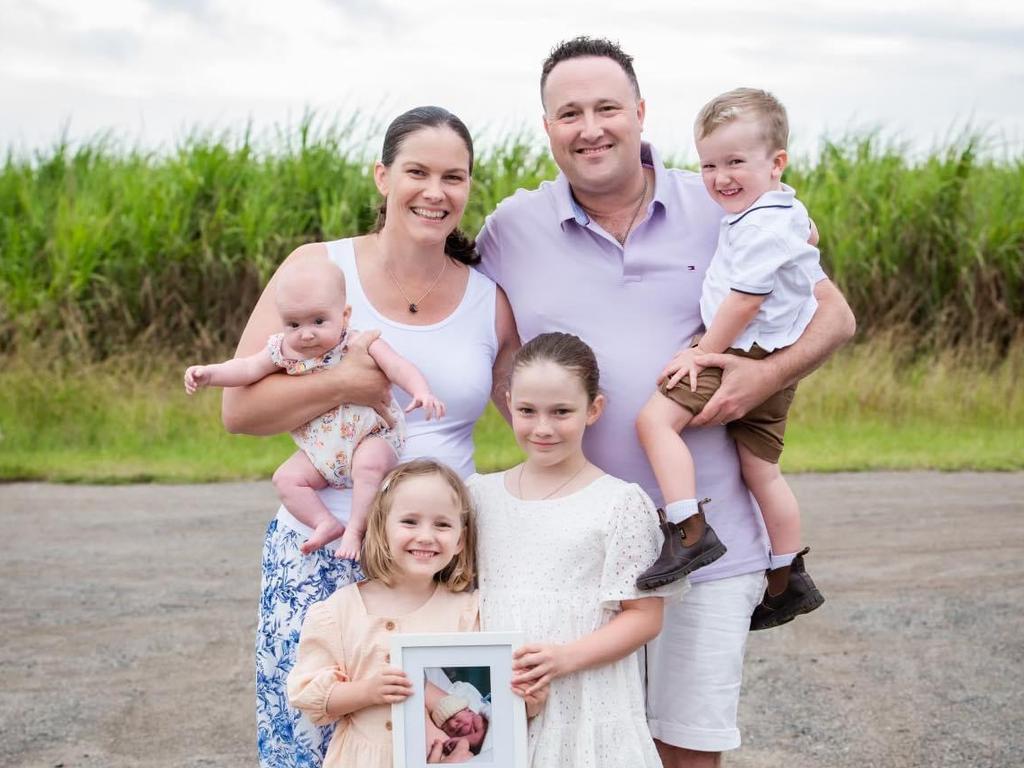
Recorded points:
(535, 665)
(683, 364)
(196, 377)
(389, 686)
(433, 407)
(534, 701)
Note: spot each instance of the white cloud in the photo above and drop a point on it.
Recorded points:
(152, 68)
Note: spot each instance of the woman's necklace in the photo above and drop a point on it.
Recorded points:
(632, 219)
(519, 483)
(414, 306)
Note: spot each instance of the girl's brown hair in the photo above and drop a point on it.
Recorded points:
(378, 561)
(565, 350)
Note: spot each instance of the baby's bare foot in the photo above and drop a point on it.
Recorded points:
(323, 534)
(351, 544)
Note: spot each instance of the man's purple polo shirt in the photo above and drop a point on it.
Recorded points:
(636, 306)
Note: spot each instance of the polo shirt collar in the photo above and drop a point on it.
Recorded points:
(775, 198)
(568, 208)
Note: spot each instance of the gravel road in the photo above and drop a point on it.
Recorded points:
(127, 616)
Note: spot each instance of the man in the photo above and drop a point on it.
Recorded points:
(615, 250)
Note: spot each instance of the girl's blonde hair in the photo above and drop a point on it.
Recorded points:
(378, 562)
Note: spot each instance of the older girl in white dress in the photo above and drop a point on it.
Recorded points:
(560, 546)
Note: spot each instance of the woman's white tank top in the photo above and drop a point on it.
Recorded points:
(455, 355)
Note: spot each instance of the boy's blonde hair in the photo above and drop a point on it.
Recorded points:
(750, 103)
(378, 562)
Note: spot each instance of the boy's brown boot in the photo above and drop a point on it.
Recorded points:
(799, 596)
(679, 557)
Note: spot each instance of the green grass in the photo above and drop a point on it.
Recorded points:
(871, 408)
(104, 246)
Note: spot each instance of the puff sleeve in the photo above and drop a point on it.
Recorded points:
(634, 541)
(319, 665)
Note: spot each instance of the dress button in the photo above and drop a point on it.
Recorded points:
(390, 625)
(388, 725)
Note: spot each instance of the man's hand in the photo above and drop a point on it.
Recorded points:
(389, 686)
(535, 665)
(745, 385)
(365, 383)
(684, 363)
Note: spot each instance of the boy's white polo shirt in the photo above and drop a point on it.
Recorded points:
(764, 251)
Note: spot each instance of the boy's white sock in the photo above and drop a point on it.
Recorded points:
(678, 511)
(778, 561)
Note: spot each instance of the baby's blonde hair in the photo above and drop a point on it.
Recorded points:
(378, 561)
(746, 103)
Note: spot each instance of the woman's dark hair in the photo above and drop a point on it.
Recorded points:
(457, 246)
(565, 350)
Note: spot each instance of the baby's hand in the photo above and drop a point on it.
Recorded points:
(433, 407)
(389, 686)
(683, 364)
(196, 377)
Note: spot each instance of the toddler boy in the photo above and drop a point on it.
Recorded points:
(757, 297)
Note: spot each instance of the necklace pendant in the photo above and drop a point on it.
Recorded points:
(413, 309)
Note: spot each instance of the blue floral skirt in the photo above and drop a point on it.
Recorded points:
(291, 582)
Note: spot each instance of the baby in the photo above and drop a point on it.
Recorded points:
(757, 297)
(453, 715)
(350, 446)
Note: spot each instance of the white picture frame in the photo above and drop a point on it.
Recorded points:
(488, 655)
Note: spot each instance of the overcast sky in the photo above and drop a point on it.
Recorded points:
(150, 70)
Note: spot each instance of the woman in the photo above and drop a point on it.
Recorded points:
(410, 279)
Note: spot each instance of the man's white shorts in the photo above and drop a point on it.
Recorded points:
(695, 666)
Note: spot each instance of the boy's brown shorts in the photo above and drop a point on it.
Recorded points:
(761, 430)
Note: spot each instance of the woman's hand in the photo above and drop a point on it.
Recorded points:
(535, 665)
(365, 382)
(389, 686)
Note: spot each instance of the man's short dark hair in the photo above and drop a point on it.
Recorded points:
(588, 46)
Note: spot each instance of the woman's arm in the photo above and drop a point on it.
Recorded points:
(508, 345)
(535, 665)
(283, 403)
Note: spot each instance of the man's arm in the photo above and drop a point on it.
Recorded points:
(748, 383)
(508, 345)
(283, 403)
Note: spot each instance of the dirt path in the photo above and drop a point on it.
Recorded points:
(127, 616)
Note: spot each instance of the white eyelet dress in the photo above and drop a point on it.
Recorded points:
(557, 570)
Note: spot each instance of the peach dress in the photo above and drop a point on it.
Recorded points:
(341, 641)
